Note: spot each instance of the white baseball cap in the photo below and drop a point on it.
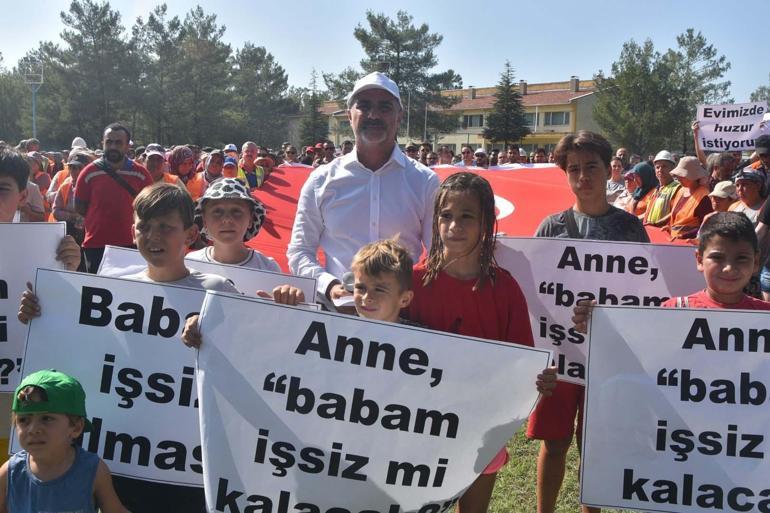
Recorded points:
(375, 80)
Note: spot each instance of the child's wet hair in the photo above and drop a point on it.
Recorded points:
(734, 226)
(385, 256)
(162, 199)
(481, 189)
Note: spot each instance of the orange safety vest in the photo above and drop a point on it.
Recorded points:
(641, 206)
(169, 178)
(195, 185)
(64, 190)
(59, 179)
(684, 223)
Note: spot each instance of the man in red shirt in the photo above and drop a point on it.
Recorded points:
(105, 193)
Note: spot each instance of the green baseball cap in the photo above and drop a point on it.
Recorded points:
(63, 392)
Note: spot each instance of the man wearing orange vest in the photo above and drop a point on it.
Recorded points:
(64, 199)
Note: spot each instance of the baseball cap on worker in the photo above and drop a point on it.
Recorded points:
(230, 147)
(154, 149)
(375, 80)
(63, 394)
(230, 161)
(724, 189)
(78, 159)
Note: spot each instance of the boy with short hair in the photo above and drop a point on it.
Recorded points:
(382, 273)
(728, 256)
(51, 473)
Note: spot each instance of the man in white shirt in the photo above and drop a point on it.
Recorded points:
(372, 193)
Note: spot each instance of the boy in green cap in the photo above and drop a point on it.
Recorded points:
(51, 473)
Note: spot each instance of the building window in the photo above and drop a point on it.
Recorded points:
(529, 119)
(556, 118)
(473, 121)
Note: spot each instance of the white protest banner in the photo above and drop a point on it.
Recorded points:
(731, 126)
(119, 262)
(676, 410)
(121, 340)
(555, 273)
(326, 412)
(24, 248)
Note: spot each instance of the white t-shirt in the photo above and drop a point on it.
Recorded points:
(194, 280)
(255, 260)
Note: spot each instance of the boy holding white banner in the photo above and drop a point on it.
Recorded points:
(727, 255)
(585, 159)
(14, 174)
(163, 229)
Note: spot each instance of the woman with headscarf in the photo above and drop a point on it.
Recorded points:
(691, 203)
(647, 184)
(181, 164)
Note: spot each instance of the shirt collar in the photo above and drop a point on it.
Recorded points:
(397, 157)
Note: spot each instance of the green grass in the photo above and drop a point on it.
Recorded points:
(515, 488)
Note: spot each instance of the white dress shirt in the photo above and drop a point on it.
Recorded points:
(343, 206)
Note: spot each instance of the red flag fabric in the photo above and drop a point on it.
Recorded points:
(524, 195)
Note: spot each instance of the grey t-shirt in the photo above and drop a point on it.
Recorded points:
(615, 224)
(194, 280)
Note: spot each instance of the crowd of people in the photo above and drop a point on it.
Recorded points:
(167, 202)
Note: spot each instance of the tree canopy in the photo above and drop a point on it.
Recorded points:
(506, 122)
(170, 80)
(649, 99)
(406, 52)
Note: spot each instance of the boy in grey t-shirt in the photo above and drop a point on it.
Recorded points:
(585, 159)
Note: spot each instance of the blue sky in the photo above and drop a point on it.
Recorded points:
(545, 40)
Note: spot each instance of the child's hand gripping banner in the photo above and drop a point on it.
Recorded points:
(676, 410)
(119, 262)
(24, 248)
(313, 411)
(121, 340)
(555, 273)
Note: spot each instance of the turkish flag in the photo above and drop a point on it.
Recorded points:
(524, 196)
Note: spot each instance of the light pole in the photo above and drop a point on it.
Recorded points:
(33, 77)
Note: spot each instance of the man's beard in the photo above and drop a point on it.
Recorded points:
(113, 156)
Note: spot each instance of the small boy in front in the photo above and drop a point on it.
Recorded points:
(382, 273)
(51, 473)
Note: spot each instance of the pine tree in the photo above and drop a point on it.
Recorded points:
(260, 86)
(315, 126)
(405, 52)
(506, 122)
